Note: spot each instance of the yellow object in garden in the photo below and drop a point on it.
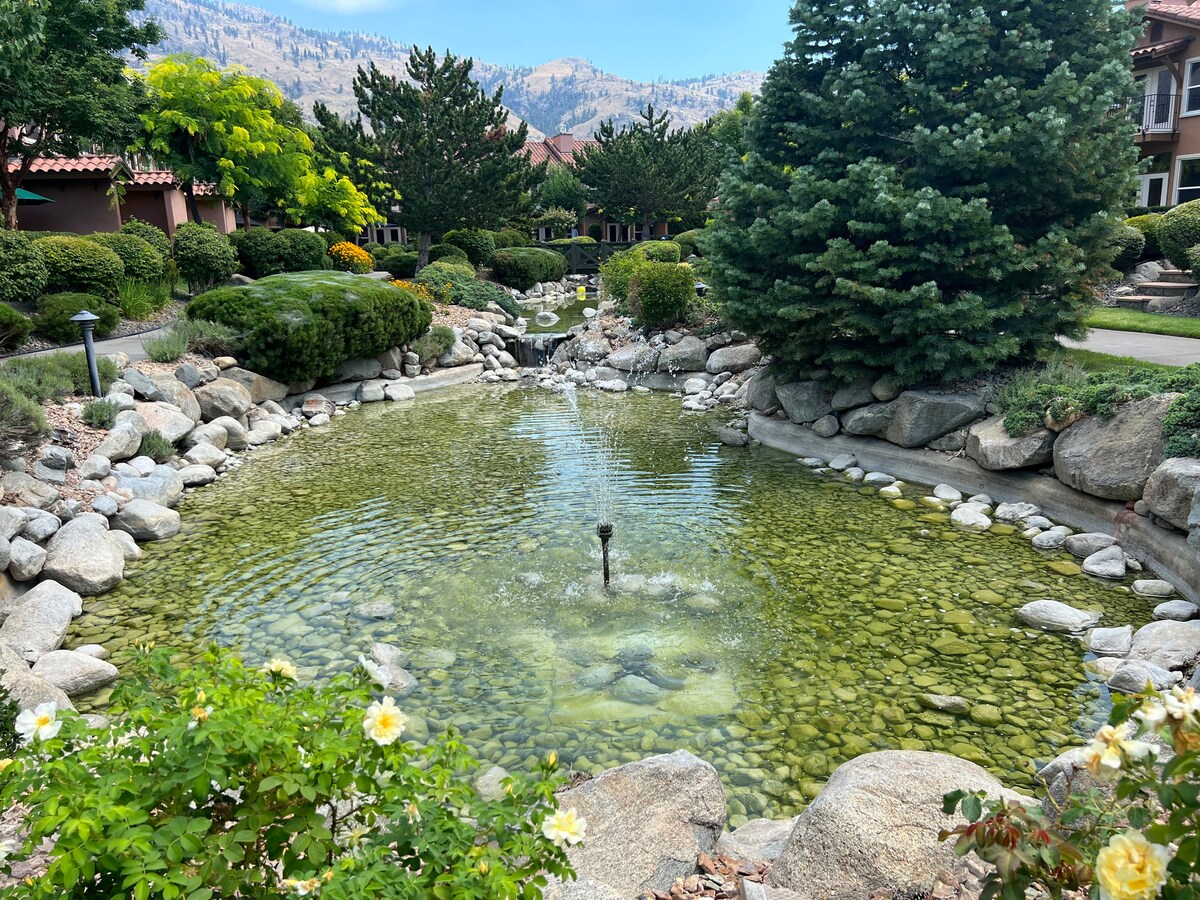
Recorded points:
(581, 292)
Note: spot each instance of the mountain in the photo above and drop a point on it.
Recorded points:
(310, 65)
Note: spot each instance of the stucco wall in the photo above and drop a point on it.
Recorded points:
(81, 206)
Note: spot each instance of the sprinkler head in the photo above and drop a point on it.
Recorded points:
(604, 530)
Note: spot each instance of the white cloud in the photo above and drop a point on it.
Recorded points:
(351, 7)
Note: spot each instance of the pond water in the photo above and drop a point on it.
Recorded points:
(569, 315)
(775, 622)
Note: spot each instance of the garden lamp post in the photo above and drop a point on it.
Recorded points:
(87, 323)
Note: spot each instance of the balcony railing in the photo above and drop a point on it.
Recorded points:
(1154, 113)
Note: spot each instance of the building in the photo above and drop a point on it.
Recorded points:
(101, 192)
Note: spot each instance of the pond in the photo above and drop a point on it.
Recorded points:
(569, 312)
(775, 622)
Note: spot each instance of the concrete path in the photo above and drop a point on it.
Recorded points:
(1156, 348)
(129, 345)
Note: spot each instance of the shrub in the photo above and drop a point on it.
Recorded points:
(22, 426)
(80, 266)
(203, 255)
(141, 261)
(14, 328)
(660, 251)
(23, 274)
(478, 294)
(139, 300)
(478, 245)
(166, 348)
(100, 414)
(375, 248)
(434, 343)
(301, 250)
(208, 338)
(523, 267)
(1148, 225)
(1129, 243)
(349, 257)
(152, 235)
(447, 281)
(689, 243)
(617, 270)
(1179, 232)
(259, 252)
(53, 319)
(559, 220)
(511, 237)
(566, 242)
(302, 326)
(659, 293)
(595, 231)
(157, 447)
(9, 740)
(448, 253)
(55, 375)
(400, 264)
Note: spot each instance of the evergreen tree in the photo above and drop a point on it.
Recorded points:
(929, 187)
(562, 189)
(441, 142)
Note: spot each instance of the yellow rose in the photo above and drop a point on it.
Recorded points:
(1131, 868)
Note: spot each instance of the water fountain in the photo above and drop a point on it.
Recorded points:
(601, 477)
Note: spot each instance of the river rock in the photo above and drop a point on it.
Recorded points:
(761, 394)
(205, 455)
(25, 559)
(853, 395)
(731, 437)
(223, 397)
(162, 486)
(923, 416)
(169, 421)
(1114, 457)
(1111, 641)
(647, 821)
(126, 544)
(875, 825)
(209, 433)
(759, 840)
(193, 375)
(1171, 488)
(147, 521)
(260, 387)
(29, 692)
(142, 384)
(826, 426)
(28, 490)
(1177, 610)
(81, 558)
(389, 654)
(459, 354)
(1049, 540)
(123, 441)
(175, 393)
(689, 355)
(1167, 644)
(235, 432)
(1132, 676)
(634, 358)
(1153, 587)
(737, 358)
(970, 519)
(990, 445)
(804, 401)
(1088, 543)
(12, 522)
(1051, 615)
(74, 673)
(1107, 563)
(37, 623)
(40, 525)
(871, 420)
(399, 392)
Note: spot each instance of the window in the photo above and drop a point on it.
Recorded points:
(1191, 88)
(1187, 183)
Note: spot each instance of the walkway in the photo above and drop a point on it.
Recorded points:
(1156, 348)
(132, 346)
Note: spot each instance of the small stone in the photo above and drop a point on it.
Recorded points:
(1108, 563)
(1111, 641)
(1088, 543)
(1132, 676)
(1052, 615)
(1153, 587)
(878, 479)
(843, 461)
(947, 494)
(826, 426)
(1015, 512)
(967, 518)
(1177, 611)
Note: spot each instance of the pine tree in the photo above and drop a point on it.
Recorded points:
(929, 187)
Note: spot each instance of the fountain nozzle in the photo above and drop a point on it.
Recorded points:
(605, 532)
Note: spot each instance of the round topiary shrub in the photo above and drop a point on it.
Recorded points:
(1179, 232)
(14, 328)
(447, 280)
(23, 274)
(660, 251)
(348, 257)
(523, 267)
(204, 256)
(1148, 225)
(301, 250)
(152, 235)
(479, 245)
(75, 265)
(511, 237)
(259, 251)
(689, 243)
(448, 253)
(53, 319)
(659, 293)
(1129, 244)
(141, 261)
(400, 264)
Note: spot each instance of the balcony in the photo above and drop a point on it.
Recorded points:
(1154, 115)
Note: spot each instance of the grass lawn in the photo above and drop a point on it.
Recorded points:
(1146, 323)
(1091, 361)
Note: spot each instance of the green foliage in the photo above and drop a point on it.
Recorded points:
(301, 250)
(14, 328)
(258, 252)
(890, 214)
(141, 261)
(330, 199)
(139, 300)
(448, 253)
(1178, 232)
(53, 319)
(1129, 244)
(511, 237)
(23, 274)
(567, 242)
(447, 281)
(562, 189)
(478, 294)
(9, 710)
(400, 264)
(523, 267)
(595, 231)
(477, 244)
(166, 348)
(152, 235)
(81, 266)
(660, 293)
(689, 243)
(660, 251)
(617, 271)
(209, 338)
(204, 256)
(1117, 319)
(559, 221)
(22, 426)
(158, 786)
(54, 376)
(433, 344)
(154, 445)
(1148, 225)
(100, 414)
(301, 326)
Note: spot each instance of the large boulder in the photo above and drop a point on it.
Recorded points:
(1114, 457)
(635, 358)
(174, 392)
(647, 821)
(39, 620)
(28, 490)
(235, 432)
(923, 416)
(25, 559)
(122, 442)
(1167, 644)
(592, 347)
(459, 354)
(853, 395)
(223, 397)
(81, 557)
(990, 445)
(873, 419)
(147, 521)
(352, 370)
(29, 691)
(875, 826)
(74, 673)
(689, 355)
(737, 358)
(1171, 488)
(162, 486)
(761, 394)
(805, 401)
(169, 421)
(261, 387)
(1132, 676)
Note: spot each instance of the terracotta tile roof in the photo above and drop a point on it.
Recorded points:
(1174, 12)
(153, 179)
(548, 151)
(1159, 50)
(79, 165)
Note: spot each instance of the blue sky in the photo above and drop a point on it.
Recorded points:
(639, 39)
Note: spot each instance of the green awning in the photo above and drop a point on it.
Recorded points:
(24, 196)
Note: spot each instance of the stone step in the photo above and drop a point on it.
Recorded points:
(1175, 276)
(1166, 288)
(1133, 301)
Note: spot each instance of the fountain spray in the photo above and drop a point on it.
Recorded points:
(600, 443)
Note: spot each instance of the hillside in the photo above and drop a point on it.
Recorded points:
(308, 65)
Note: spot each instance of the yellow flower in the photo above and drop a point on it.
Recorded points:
(413, 812)
(5, 763)
(304, 888)
(565, 827)
(552, 759)
(484, 868)
(201, 696)
(384, 723)
(1104, 755)
(280, 667)
(200, 715)
(1131, 868)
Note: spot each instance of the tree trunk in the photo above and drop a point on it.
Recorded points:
(423, 250)
(245, 217)
(8, 200)
(193, 207)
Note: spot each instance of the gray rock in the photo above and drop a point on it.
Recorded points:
(759, 840)
(1111, 641)
(209, 433)
(12, 522)
(1051, 615)
(175, 393)
(1049, 540)
(40, 525)
(731, 437)
(81, 558)
(923, 416)
(351, 370)
(398, 681)
(634, 358)
(195, 375)
(126, 544)
(843, 461)
(459, 354)
(805, 401)
(761, 394)
(169, 421)
(162, 486)
(264, 432)
(147, 521)
(260, 387)
(647, 822)
(875, 827)
(206, 455)
(635, 689)
(29, 692)
(389, 654)
(399, 392)
(490, 784)
(952, 442)
(1132, 676)
(950, 703)
(853, 395)
(95, 468)
(990, 445)
(592, 347)
(583, 888)
(873, 420)
(1088, 543)
(223, 398)
(11, 661)
(142, 384)
(74, 673)
(1170, 490)
(878, 479)
(195, 476)
(37, 623)
(235, 432)
(886, 389)
(25, 559)
(123, 402)
(1177, 610)
(319, 420)
(826, 426)
(688, 355)
(47, 475)
(28, 490)
(737, 358)
(371, 391)
(1115, 457)
(970, 519)
(122, 442)
(1167, 644)
(58, 458)
(1107, 563)
(1153, 587)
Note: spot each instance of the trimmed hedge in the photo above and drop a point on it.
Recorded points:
(1129, 243)
(689, 242)
(151, 234)
(302, 251)
(76, 265)
(1148, 225)
(479, 245)
(263, 252)
(14, 328)
(141, 261)
(23, 274)
(447, 281)
(53, 319)
(566, 242)
(510, 237)
(204, 256)
(660, 251)
(302, 326)
(523, 267)
(660, 293)
(1179, 232)
(400, 264)
(448, 253)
